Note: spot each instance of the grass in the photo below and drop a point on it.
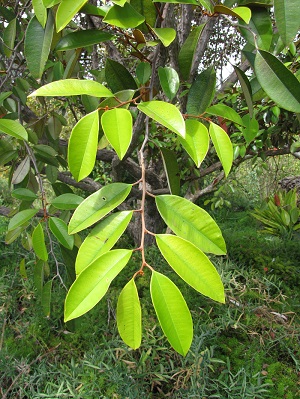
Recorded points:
(248, 348)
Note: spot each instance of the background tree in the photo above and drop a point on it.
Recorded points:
(130, 106)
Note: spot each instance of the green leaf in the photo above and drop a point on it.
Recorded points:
(21, 218)
(166, 114)
(38, 276)
(287, 16)
(188, 51)
(93, 283)
(97, 205)
(165, 35)
(37, 45)
(277, 81)
(117, 76)
(169, 81)
(172, 312)
(60, 230)
(72, 87)
(192, 265)
(143, 72)
(90, 9)
(251, 128)
(129, 316)
(246, 87)
(82, 38)
(46, 298)
(223, 146)
(24, 194)
(12, 235)
(259, 31)
(201, 92)
(196, 141)
(178, 1)
(22, 171)
(243, 13)
(225, 112)
(9, 36)
(13, 128)
(67, 201)
(117, 126)
(102, 238)
(40, 11)
(172, 170)
(190, 222)
(82, 148)
(123, 17)
(66, 11)
(38, 243)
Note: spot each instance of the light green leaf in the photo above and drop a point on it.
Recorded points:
(40, 11)
(172, 312)
(72, 87)
(90, 9)
(143, 72)
(67, 9)
(82, 38)
(172, 170)
(251, 128)
(22, 171)
(277, 81)
(196, 141)
(118, 77)
(93, 283)
(243, 13)
(166, 114)
(97, 205)
(102, 238)
(192, 265)
(165, 35)
(223, 146)
(24, 194)
(190, 222)
(207, 4)
(117, 126)
(82, 148)
(124, 17)
(178, 1)
(9, 36)
(46, 298)
(13, 128)
(12, 235)
(129, 316)
(38, 276)
(201, 92)
(67, 201)
(21, 218)
(60, 230)
(169, 81)
(287, 16)
(225, 112)
(38, 243)
(246, 87)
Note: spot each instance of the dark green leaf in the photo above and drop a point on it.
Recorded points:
(82, 38)
(21, 218)
(169, 81)
(117, 76)
(201, 92)
(123, 17)
(38, 243)
(287, 16)
(172, 170)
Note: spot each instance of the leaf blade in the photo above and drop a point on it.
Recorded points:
(222, 145)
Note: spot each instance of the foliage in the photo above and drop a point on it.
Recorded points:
(147, 117)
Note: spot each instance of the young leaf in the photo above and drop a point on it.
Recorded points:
(196, 141)
(192, 265)
(172, 170)
(66, 11)
(169, 81)
(166, 114)
(117, 126)
(82, 148)
(38, 243)
(243, 13)
(124, 17)
(287, 16)
(172, 312)
(129, 316)
(82, 38)
(40, 11)
(188, 50)
(97, 205)
(93, 283)
(60, 230)
(67, 201)
(201, 92)
(72, 87)
(277, 81)
(225, 112)
(46, 298)
(246, 87)
(24, 194)
(13, 128)
(190, 222)
(223, 146)
(21, 218)
(165, 35)
(118, 77)
(143, 72)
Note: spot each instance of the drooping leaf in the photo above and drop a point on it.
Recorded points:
(97, 205)
(82, 148)
(279, 83)
(287, 16)
(24, 194)
(169, 81)
(129, 316)
(124, 17)
(23, 272)
(188, 50)
(225, 112)
(172, 170)
(117, 126)
(46, 298)
(93, 283)
(201, 92)
(40, 11)
(118, 77)
(243, 13)
(196, 141)
(67, 9)
(13, 128)
(165, 35)
(38, 276)
(21, 218)
(223, 146)
(143, 72)
(37, 45)
(72, 87)
(164, 113)
(246, 87)
(82, 38)
(22, 171)
(60, 230)
(172, 312)
(67, 201)
(191, 222)
(192, 265)
(38, 243)
(9, 36)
